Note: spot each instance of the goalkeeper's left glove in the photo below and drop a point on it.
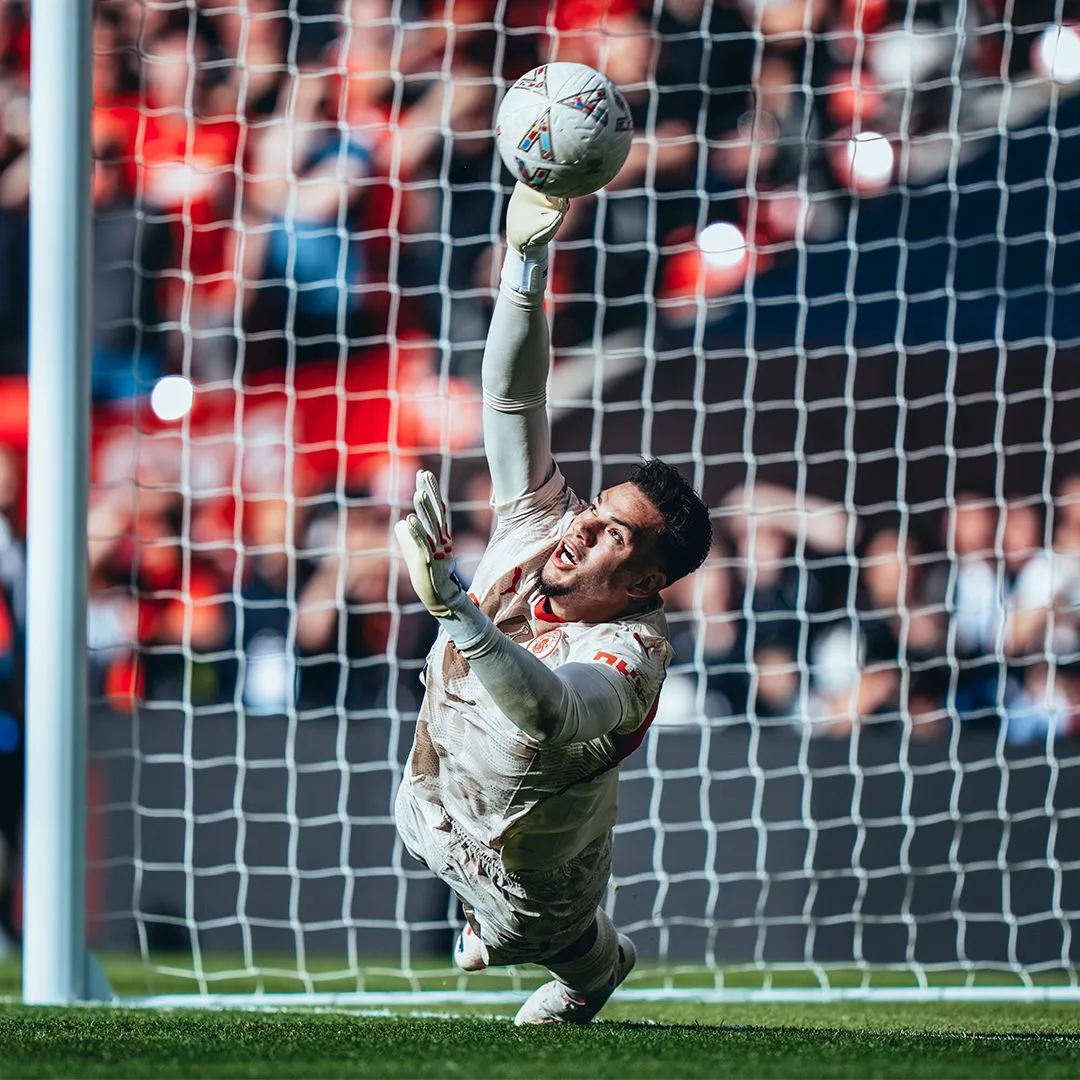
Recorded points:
(532, 220)
(425, 541)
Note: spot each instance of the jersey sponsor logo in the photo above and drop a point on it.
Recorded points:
(618, 663)
(543, 646)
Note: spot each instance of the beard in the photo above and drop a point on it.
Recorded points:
(550, 588)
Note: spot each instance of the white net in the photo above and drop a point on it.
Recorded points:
(835, 283)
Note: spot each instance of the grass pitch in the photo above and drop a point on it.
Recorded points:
(633, 1039)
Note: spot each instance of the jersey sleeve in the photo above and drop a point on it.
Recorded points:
(607, 684)
(634, 659)
(552, 499)
(514, 374)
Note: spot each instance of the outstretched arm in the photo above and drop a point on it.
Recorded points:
(517, 433)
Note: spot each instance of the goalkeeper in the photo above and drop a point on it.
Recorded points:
(547, 675)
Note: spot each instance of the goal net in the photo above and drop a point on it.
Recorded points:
(836, 284)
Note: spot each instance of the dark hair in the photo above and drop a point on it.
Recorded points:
(685, 539)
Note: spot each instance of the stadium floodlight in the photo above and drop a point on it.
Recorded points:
(722, 244)
(172, 397)
(328, 295)
(1057, 54)
(871, 159)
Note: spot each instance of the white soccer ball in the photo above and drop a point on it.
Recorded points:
(564, 129)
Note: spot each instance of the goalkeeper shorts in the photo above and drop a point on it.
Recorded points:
(523, 916)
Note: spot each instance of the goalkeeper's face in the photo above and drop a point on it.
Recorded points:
(607, 560)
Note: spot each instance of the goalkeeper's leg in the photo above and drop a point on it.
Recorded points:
(525, 918)
(586, 975)
(437, 848)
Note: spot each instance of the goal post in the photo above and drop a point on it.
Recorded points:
(56, 968)
(835, 285)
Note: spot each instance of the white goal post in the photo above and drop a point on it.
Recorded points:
(55, 967)
(835, 284)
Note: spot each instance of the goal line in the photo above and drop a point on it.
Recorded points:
(403, 999)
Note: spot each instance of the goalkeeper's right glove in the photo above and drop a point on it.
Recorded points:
(425, 541)
(532, 220)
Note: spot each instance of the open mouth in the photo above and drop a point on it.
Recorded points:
(565, 555)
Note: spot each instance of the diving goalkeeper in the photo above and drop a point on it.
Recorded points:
(547, 675)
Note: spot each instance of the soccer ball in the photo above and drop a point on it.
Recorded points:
(564, 129)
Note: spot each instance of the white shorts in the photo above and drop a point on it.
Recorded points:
(522, 917)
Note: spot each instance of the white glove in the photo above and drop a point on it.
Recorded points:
(532, 220)
(424, 539)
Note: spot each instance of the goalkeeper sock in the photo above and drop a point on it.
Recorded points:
(596, 968)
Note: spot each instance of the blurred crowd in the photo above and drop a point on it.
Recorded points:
(809, 614)
(279, 182)
(297, 208)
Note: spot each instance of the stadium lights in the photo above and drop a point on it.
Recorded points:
(870, 157)
(1057, 54)
(904, 59)
(172, 397)
(722, 245)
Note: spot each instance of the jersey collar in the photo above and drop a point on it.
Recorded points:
(545, 616)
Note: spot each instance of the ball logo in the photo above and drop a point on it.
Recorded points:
(543, 646)
(533, 80)
(591, 103)
(535, 178)
(539, 134)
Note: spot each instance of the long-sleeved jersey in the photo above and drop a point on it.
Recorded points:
(536, 805)
(523, 725)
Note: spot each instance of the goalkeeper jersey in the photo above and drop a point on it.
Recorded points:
(536, 805)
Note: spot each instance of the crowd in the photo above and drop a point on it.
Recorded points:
(807, 614)
(296, 205)
(279, 182)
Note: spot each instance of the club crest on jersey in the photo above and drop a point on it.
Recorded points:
(535, 80)
(539, 133)
(543, 646)
(593, 102)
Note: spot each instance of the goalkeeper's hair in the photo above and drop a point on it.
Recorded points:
(685, 539)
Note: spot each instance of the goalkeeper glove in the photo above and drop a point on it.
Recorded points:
(425, 541)
(532, 220)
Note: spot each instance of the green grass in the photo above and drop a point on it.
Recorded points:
(679, 1040)
(633, 1039)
